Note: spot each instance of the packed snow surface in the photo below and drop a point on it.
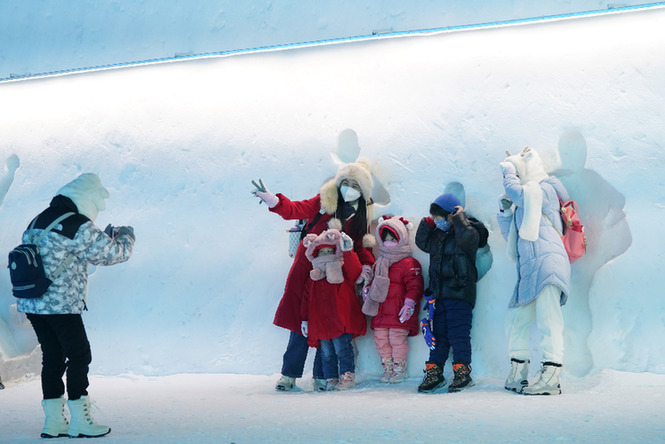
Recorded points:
(611, 407)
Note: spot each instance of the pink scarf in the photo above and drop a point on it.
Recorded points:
(378, 291)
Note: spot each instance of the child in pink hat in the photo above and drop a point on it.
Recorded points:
(393, 296)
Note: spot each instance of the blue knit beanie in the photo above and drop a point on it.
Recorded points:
(446, 202)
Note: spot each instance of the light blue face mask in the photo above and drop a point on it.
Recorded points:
(349, 194)
(442, 224)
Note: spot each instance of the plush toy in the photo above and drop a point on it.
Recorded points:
(325, 252)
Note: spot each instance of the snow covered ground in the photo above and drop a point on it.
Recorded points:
(178, 144)
(610, 407)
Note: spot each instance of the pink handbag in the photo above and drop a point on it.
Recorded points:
(573, 237)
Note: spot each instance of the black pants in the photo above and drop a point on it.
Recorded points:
(65, 347)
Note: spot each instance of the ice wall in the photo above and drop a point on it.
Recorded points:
(39, 36)
(177, 145)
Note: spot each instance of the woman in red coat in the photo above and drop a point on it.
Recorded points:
(347, 197)
(393, 296)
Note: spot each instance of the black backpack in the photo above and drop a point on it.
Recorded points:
(26, 269)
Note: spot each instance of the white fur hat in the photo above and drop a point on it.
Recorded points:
(360, 172)
(529, 165)
(87, 193)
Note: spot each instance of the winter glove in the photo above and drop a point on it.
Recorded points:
(407, 310)
(304, 328)
(505, 206)
(430, 340)
(504, 202)
(266, 196)
(426, 323)
(345, 242)
(365, 276)
(129, 231)
(109, 231)
(365, 292)
(507, 168)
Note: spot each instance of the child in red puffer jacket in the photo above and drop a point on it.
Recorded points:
(393, 296)
(331, 312)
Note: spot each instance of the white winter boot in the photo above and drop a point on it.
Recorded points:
(399, 371)
(519, 375)
(285, 384)
(55, 424)
(548, 381)
(82, 425)
(387, 364)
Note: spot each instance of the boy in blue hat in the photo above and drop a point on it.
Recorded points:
(451, 239)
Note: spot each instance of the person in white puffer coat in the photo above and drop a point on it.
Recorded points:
(56, 316)
(530, 220)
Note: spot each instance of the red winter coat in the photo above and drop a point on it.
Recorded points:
(406, 281)
(334, 309)
(288, 314)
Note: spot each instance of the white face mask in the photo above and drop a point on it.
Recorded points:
(349, 194)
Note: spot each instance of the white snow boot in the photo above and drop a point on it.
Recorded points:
(387, 364)
(82, 425)
(55, 424)
(548, 381)
(519, 375)
(285, 384)
(399, 371)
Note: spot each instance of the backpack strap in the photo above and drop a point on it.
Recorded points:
(560, 207)
(553, 226)
(49, 228)
(310, 225)
(64, 264)
(70, 256)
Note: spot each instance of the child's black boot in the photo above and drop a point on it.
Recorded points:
(433, 379)
(462, 378)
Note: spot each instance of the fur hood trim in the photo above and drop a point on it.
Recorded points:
(328, 193)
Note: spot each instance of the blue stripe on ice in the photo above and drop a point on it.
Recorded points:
(335, 41)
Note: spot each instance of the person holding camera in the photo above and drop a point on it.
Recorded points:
(70, 245)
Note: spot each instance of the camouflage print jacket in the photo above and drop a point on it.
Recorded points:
(79, 236)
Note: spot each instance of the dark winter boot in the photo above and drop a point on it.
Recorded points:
(433, 379)
(462, 378)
